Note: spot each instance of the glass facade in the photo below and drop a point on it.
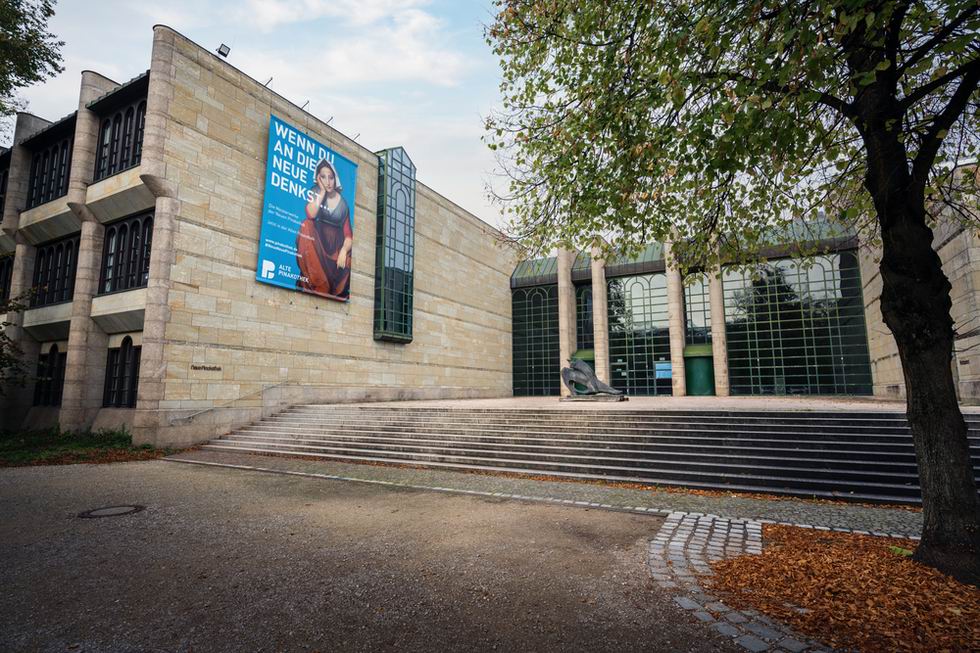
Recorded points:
(585, 338)
(697, 310)
(639, 338)
(535, 341)
(394, 278)
(797, 327)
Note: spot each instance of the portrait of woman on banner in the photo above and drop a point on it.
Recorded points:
(325, 238)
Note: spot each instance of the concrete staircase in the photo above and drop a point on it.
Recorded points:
(865, 456)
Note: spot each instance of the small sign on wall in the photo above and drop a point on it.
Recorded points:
(307, 237)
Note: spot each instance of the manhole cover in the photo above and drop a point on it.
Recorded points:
(111, 511)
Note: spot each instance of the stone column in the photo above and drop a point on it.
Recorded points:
(719, 337)
(149, 423)
(600, 317)
(675, 312)
(19, 175)
(16, 403)
(87, 343)
(566, 310)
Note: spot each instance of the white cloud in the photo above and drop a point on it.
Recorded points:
(373, 41)
(269, 14)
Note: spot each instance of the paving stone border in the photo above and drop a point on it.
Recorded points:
(682, 551)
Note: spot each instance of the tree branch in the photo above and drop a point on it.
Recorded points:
(919, 53)
(933, 138)
(929, 87)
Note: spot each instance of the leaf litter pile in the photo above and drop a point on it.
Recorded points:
(852, 592)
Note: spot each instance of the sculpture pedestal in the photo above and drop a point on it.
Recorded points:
(595, 398)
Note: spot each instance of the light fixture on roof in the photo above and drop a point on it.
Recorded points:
(223, 50)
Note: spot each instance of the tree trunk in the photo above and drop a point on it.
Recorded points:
(915, 304)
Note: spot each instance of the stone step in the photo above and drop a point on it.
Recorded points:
(866, 456)
(580, 430)
(903, 454)
(845, 470)
(726, 479)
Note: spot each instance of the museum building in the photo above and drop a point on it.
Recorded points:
(140, 231)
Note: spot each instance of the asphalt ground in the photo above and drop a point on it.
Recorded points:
(233, 560)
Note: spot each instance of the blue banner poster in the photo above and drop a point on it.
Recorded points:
(308, 216)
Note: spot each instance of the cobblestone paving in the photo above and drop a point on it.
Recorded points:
(840, 517)
(683, 550)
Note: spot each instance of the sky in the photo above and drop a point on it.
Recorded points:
(414, 73)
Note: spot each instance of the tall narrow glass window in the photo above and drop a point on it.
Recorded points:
(50, 377)
(639, 336)
(122, 375)
(6, 272)
(584, 334)
(394, 275)
(697, 309)
(535, 341)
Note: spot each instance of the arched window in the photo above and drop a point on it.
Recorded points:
(50, 165)
(102, 159)
(50, 377)
(121, 140)
(125, 151)
(126, 254)
(122, 375)
(140, 128)
(54, 271)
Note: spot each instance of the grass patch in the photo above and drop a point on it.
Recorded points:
(56, 447)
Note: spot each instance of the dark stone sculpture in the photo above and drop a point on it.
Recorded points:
(579, 372)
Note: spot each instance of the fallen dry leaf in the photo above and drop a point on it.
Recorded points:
(851, 592)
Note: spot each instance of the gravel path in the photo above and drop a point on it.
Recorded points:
(831, 515)
(228, 560)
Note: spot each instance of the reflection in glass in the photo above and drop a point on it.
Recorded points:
(535, 341)
(797, 327)
(639, 338)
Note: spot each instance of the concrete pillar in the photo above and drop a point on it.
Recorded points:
(719, 338)
(567, 337)
(16, 400)
(87, 343)
(675, 312)
(20, 170)
(600, 317)
(149, 423)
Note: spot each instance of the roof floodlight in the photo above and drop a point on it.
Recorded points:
(223, 50)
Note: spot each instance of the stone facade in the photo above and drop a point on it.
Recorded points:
(220, 349)
(959, 250)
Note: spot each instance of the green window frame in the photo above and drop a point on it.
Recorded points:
(536, 354)
(584, 333)
(697, 309)
(639, 334)
(394, 276)
(797, 327)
